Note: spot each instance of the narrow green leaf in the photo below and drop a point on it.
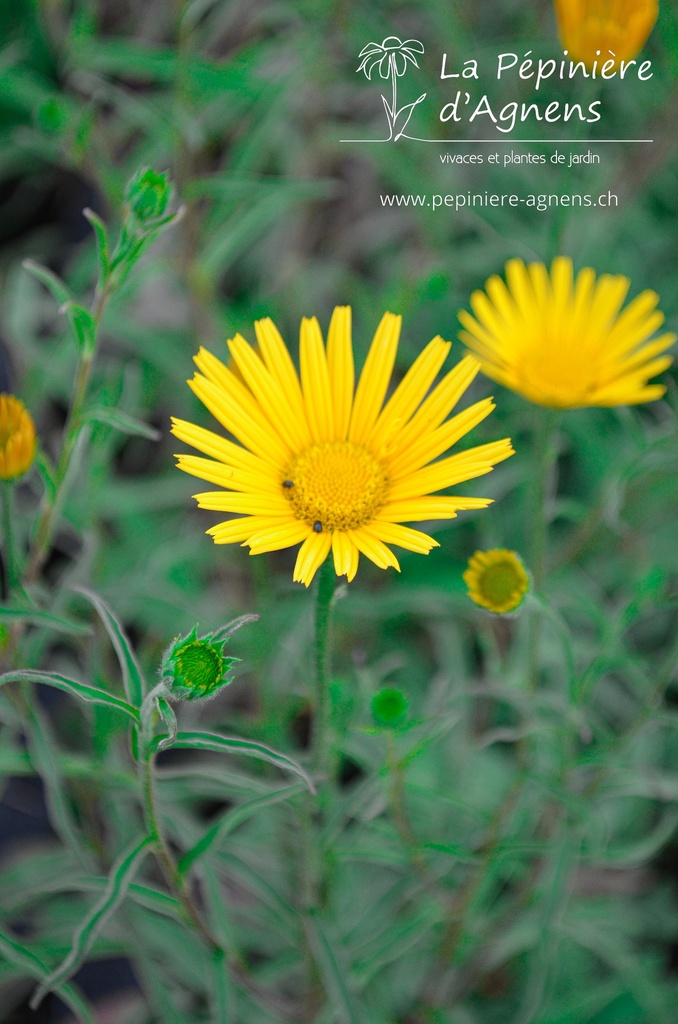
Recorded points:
(338, 995)
(220, 987)
(46, 470)
(43, 754)
(38, 618)
(121, 421)
(91, 694)
(132, 676)
(121, 875)
(82, 324)
(230, 821)
(53, 283)
(30, 964)
(234, 745)
(99, 229)
(170, 721)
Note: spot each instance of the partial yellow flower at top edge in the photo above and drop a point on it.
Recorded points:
(605, 30)
(327, 465)
(17, 438)
(566, 343)
(496, 580)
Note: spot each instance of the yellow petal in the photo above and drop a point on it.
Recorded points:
(312, 554)
(272, 399)
(409, 394)
(403, 536)
(464, 466)
(281, 535)
(341, 371)
(375, 377)
(315, 381)
(373, 549)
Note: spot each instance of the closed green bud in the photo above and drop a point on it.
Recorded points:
(390, 708)
(148, 194)
(195, 667)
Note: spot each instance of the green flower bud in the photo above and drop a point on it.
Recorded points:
(390, 708)
(148, 194)
(195, 667)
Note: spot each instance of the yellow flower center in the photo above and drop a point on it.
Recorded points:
(501, 583)
(496, 580)
(337, 485)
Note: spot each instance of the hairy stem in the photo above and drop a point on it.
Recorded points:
(45, 527)
(166, 860)
(11, 570)
(323, 623)
(537, 521)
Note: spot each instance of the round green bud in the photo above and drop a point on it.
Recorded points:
(148, 194)
(390, 708)
(195, 667)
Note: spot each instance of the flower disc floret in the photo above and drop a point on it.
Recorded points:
(17, 438)
(496, 580)
(338, 484)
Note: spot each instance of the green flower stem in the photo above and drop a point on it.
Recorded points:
(545, 433)
(462, 902)
(323, 623)
(11, 569)
(401, 818)
(45, 527)
(166, 860)
(537, 521)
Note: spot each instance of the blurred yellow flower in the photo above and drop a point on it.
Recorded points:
(17, 438)
(320, 465)
(605, 29)
(566, 343)
(496, 580)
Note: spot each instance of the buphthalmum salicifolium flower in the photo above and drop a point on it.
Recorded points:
(17, 438)
(496, 580)
(567, 343)
(605, 30)
(328, 465)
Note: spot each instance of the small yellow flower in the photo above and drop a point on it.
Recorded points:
(567, 343)
(17, 438)
(327, 467)
(496, 580)
(605, 29)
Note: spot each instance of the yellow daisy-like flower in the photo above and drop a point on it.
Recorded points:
(326, 466)
(17, 438)
(566, 343)
(496, 580)
(605, 29)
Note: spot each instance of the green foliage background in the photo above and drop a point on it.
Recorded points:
(508, 856)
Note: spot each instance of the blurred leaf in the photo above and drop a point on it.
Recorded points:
(132, 676)
(121, 875)
(38, 618)
(345, 1004)
(17, 954)
(230, 821)
(233, 745)
(87, 693)
(121, 421)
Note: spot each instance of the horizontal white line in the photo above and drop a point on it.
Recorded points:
(515, 142)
